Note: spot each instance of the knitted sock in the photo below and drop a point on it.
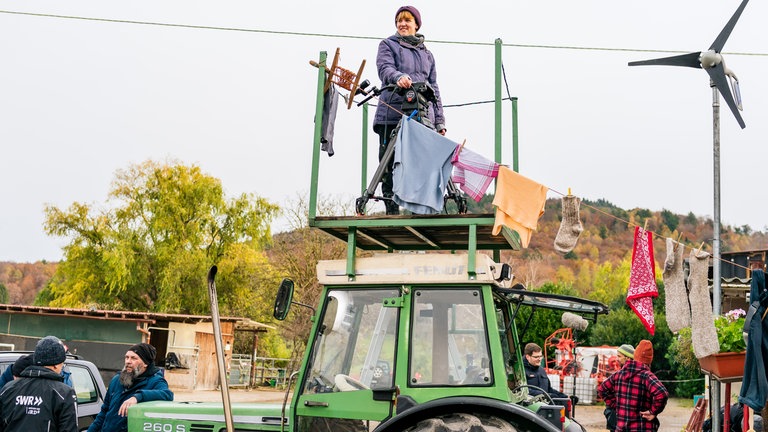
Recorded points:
(703, 332)
(676, 298)
(570, 226)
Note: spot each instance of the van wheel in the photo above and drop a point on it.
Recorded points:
(463, 422)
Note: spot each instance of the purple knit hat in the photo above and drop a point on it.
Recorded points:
(413, 11)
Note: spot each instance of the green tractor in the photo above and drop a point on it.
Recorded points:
(410, 344)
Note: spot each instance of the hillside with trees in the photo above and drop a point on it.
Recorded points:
(20, 282)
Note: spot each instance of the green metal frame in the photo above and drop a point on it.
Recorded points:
(352, 225)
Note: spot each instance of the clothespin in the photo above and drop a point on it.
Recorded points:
(645, 225)
(677, 243)
(699, 249)
(569, 191)
(458, 152)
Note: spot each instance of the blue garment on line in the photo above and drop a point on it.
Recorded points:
(754, 387)
(422, 168)
(330, 105)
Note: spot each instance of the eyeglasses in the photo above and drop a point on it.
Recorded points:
(536, 356)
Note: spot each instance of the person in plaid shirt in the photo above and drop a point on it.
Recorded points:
(634, 392)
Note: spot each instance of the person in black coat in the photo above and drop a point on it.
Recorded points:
(39, 400)
(537, 375)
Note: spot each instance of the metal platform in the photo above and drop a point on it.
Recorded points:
(419, 232)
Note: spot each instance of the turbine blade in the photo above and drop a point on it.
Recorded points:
(717, 74)
(687, 60)
(718, 44)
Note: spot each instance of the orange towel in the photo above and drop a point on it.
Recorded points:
(519, 203)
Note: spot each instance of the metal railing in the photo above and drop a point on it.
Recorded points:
(271, 371)
(240, 370)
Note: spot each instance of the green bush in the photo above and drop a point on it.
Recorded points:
(685, 365)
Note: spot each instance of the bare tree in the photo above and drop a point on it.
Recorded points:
(295, 254)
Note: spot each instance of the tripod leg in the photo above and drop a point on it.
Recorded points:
(454, 194)
(369, 193)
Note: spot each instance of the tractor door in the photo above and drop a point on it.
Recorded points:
(352, 356)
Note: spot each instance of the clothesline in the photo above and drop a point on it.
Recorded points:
(656, 235)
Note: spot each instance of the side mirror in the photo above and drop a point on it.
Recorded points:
(503, 273)
(283, 299)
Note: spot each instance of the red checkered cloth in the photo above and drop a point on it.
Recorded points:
(642, 279)
(472, 172)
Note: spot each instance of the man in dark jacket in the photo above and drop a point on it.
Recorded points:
(623, 353)
(14, 371)
(39, 400)
(139, 381)
(537, 375)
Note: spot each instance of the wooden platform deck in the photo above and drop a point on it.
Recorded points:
(419, 232)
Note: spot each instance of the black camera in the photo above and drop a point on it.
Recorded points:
(417, 98)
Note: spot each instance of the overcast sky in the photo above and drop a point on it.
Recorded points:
(80, 99)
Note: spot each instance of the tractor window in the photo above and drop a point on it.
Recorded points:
(448, 339)
(355, 345)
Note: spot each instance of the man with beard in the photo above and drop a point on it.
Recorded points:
(139, 381)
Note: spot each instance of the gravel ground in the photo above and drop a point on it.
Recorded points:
(673, 419)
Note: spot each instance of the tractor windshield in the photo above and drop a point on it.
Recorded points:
(355, 346)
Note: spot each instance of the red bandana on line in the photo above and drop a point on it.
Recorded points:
(642, 279)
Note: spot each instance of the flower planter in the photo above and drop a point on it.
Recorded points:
(724, 365)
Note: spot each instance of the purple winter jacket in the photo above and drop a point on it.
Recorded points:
(396, 58)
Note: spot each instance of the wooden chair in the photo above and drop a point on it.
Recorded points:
(697, 417)
(343, 78)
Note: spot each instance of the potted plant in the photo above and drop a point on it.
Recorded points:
(729, 362)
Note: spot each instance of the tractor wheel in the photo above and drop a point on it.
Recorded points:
(463, 422)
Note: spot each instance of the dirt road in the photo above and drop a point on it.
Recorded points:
(673, 419)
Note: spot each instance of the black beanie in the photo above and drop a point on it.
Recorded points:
(146, 352)
(49, 351)
(21, 363)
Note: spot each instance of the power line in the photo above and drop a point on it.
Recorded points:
(343, 36)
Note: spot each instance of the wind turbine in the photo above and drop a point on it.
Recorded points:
(712, 62)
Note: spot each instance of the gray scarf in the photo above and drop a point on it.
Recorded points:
(414, 40)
